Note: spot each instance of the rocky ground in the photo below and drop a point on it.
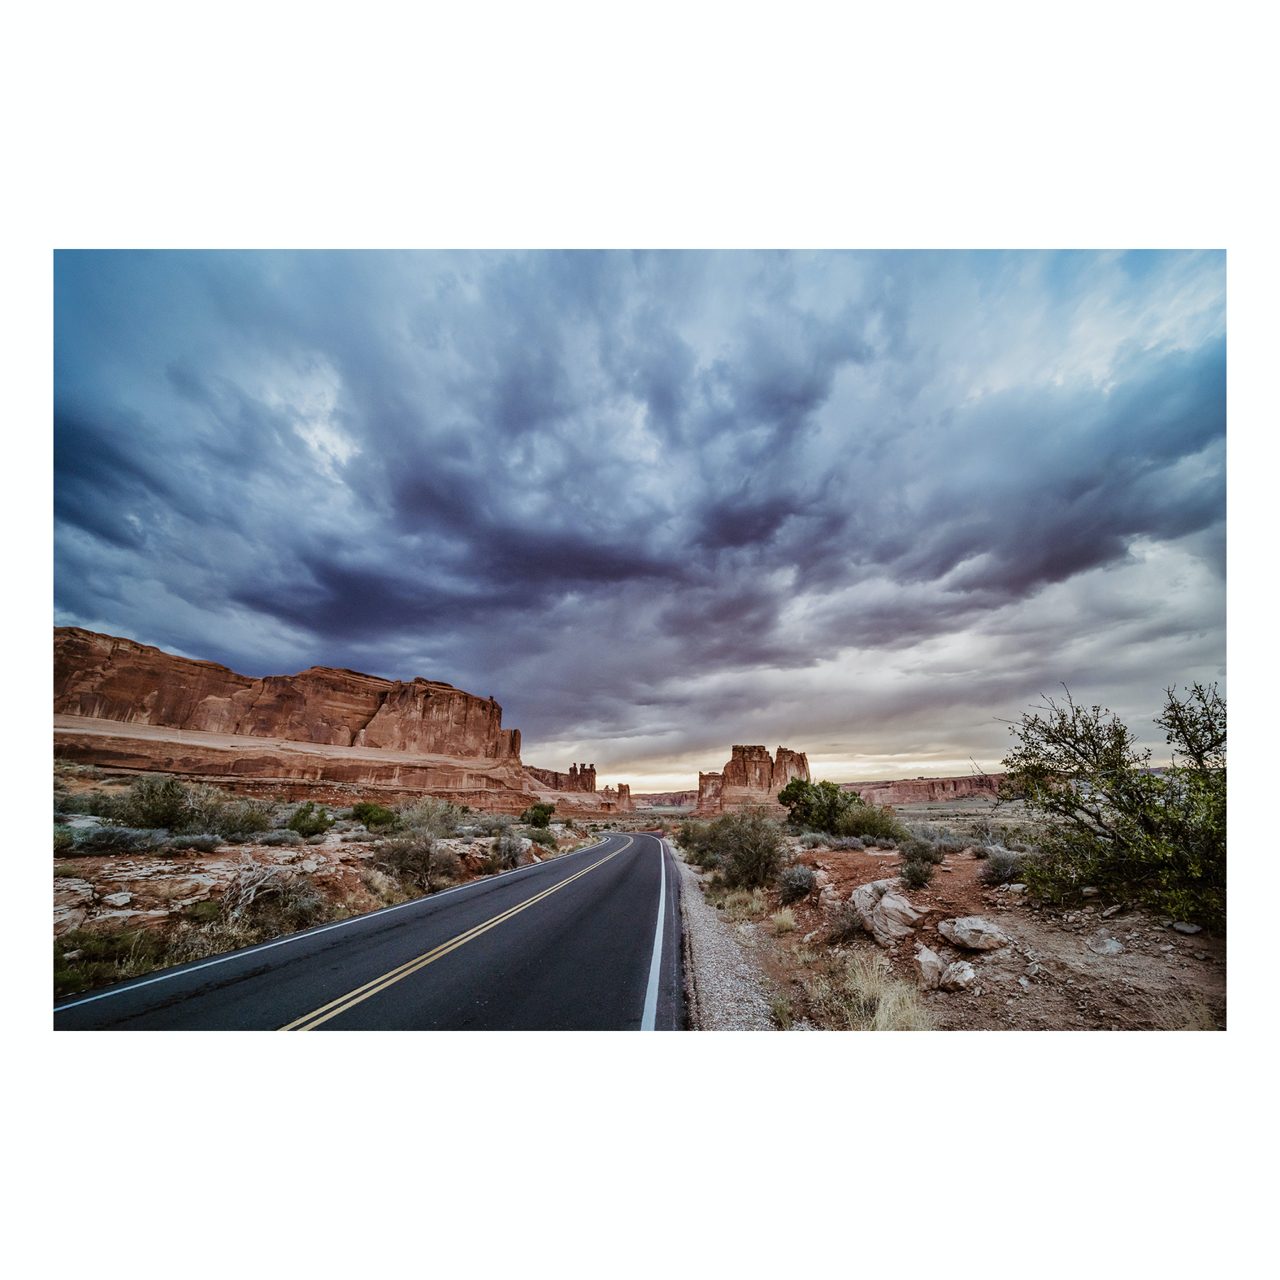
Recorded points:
(1101, 966)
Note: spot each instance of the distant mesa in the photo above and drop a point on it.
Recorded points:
(751, 777)
(325, 733)
(927, 790)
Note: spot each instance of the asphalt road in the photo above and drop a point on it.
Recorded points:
(589, 941)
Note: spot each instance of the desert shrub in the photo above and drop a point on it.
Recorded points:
(872, 822)
(541, 836)
(783, 921)
(374, 816)
(916, 872)
(431, 816)
(504, 854)
(812, 840)
(917, 850)
(354, 837)
(492, 824)
(203, 912)
(846, 923)
(238, 818)
(1107, 819)
(1001, 866)
(153, 803)
(859, 993)
(97, 804)
(751, 846)
(63, 840)
(538, 815)
(316, 839)
(200, 843)
(846, 842)
(101, 840)
(310, 820)
(699, 844)
(284, 836)
(795, 883)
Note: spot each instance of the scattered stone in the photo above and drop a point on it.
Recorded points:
(1033, 970)
(1104, 944)
(1181, 926)
(1016, 888)
(1024, 983)
(931, 966)
(1090, 892)
(117, 899)
(885, 914)
(1202, 955)
(973, 932)
(957, 976)
(309, 865)
(73, 955)
(1167, 946)
(1113, 911)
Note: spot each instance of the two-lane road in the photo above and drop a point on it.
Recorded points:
(589, 941)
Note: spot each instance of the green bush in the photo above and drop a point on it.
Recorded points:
(917, 872)
(795, 883)
(374, 816)
(542, 837)
(97, 804)
(874, 823)
(1107, 819)
(817, 805)
(538, 815)
(408, 858)
(752, 849)
(917, 850)
(153, 802)
(63, 840)
(310, 820)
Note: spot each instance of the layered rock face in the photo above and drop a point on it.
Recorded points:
(926, 790)
(666, 799)
(324, 734)
(751, 777)
(108, 678)
(581, 777)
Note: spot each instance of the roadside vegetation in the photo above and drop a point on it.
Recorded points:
(412, 849)
(1106, 819)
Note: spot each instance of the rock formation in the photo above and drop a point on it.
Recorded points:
(107, 678)
(926, 790)
(666, 799)
(326, 733)
(751, 777)
(581, 777)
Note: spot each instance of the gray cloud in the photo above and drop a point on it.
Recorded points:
(656, 503)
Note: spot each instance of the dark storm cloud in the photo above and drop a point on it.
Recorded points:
(650, 500)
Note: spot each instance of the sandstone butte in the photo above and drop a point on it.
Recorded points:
(751, 778)
(326, 733)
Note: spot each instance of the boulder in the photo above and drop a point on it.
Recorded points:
(1181, 926)
(931, 967)
(973, 932)
(957, 975)
(117, 899)
(885, 913)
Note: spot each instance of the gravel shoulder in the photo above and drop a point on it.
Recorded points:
(724, 988)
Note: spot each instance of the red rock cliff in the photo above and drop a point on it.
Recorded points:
(751, 777)
(109, 678)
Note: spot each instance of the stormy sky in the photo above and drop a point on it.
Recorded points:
(867, 505)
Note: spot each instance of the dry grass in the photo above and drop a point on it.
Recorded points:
(783, 921)
(858, 993)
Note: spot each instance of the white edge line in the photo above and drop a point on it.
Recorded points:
(312, 933)
(649, 1021)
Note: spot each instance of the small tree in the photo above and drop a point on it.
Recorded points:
(817, 805)
(538, 815)
(1112, 821)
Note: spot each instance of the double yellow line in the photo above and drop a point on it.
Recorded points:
(309, 1021)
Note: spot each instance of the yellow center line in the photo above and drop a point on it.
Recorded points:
(371, 988)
